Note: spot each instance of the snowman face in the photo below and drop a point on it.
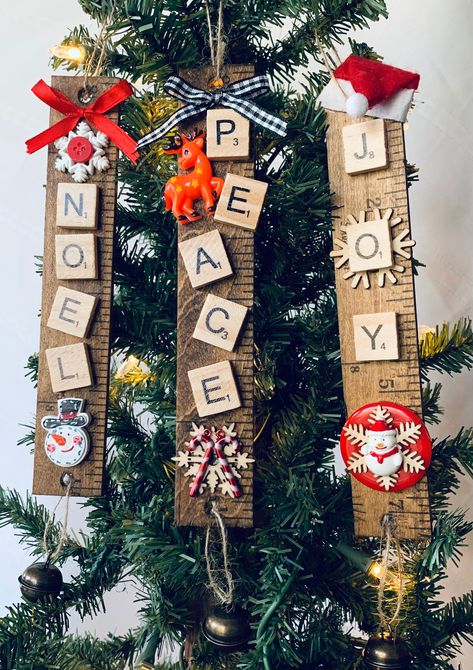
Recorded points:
(381, 440)
(66, 446)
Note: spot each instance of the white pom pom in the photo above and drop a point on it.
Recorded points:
(357, 105)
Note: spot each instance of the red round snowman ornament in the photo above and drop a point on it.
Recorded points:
(386, 446)
(67, 443)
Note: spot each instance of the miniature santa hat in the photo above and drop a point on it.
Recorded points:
(381, 428)
(362, 86)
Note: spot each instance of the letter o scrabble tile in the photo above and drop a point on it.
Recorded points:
(369, 245)
(228, 134)
(214, 389)
(205, 258)
(69, 367)
(220, 322)
(364, 146)
(241, 201)
(376, 337)
(76, 256)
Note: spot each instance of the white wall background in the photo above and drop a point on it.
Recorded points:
(432, 37)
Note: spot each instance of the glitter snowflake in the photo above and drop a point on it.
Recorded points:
(214, 477)
(82, 152)
(400, 246)
(407, 436)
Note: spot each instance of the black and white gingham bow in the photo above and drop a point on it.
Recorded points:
(237, 96)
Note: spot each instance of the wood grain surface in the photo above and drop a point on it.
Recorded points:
(87, 477)
(374, 381)
(192, 353)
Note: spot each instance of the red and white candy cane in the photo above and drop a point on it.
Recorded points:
(205, 438)
(222, 440)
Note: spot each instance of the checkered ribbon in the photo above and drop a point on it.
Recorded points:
(237, 96)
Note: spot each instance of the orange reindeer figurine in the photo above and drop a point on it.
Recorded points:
(181, 191)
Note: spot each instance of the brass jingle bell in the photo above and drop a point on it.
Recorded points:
(228, 629)
(385, 652)
(40, 581)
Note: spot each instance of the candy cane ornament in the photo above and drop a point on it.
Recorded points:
(219, 447)
(204, 438)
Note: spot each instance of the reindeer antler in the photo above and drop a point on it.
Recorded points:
(174, 145)
(194, 135)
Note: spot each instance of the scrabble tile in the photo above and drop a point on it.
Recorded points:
(205, 258)
(364, 146)
(69, 367)
(220, 322)
(228, 134)
(77, 205)
(72, 311)
(214, 388)
(369, 245)
(376, 337)
(76, 256)
(241, 201)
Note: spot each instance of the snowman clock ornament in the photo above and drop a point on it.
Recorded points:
(386, 446)
(67, 443)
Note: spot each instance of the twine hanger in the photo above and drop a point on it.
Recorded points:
(217, 52)
(51, 554)
(220, 580)
(325, 58)
(101, 43)
(389, 535)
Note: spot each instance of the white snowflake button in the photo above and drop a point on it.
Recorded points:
(82, 152)
(386, 446)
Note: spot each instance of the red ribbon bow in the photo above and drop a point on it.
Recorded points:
(94, 114)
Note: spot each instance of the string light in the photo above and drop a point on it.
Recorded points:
(75, 53)
(133, 371)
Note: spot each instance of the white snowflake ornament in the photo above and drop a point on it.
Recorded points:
(386, 446)
(82, 152)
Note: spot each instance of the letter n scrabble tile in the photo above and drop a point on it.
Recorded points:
(214, 388)
(241, 201)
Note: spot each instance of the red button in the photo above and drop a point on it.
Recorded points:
(80, 149)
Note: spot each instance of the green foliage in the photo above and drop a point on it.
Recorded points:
(299, 590)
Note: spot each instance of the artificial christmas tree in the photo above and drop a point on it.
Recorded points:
(289, 573)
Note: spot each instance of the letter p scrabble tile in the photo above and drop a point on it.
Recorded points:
(376, 337)
(228, 134)
(69, 367)
(241, 201)
(214, 389)
(364, 145)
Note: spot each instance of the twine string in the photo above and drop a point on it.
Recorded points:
(220, 580)
(102, 41)
(53, 554)
(329, 68)
(217, 52)
(390, 537)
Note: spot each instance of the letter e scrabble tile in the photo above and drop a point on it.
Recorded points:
(77, 205)
(364, 145)
(220, 322)
(228, 134)
(72, 311)
(241, 201)
(76, 256)
(69, 367)
(214, 388)
(369, 246)
(376, 337)
(205, 259)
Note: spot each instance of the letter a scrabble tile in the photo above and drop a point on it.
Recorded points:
(241, 201)
(72, 311)
(69, 367)
(76, 256)
(364, 145)
(76, 205)
(228, 134)
(205, 258)
(376, 337)
(214, 388)
(220, 322)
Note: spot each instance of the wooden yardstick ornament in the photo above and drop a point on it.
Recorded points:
(384, 442)
(222, 202)
(74, 355)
